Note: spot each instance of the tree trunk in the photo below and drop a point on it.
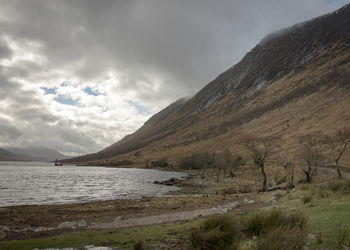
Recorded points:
(308, 176)
(291, 181)
(264, 188)
(338, 169)
(218, 175)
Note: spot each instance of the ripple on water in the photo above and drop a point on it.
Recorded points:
(42, 183)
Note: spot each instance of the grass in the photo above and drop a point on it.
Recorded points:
(217, 232)
(307, 198)
(282, 238)
(152, 237)
(340, 238)
(329, 211)
(263, 222)
(340, 186)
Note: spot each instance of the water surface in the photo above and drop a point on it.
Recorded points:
(27, 183)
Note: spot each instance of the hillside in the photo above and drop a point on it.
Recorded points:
(294, 82)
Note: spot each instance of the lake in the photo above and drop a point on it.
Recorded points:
(28, 183)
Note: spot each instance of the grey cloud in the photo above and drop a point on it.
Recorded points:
(5, 51)
(8, 132)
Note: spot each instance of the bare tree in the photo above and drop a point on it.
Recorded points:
(310, 147)
(239, 161)
(223, 162)
(338, 144)
(261, 150)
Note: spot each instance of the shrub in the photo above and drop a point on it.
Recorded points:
(320, 192)
(307, 198)
(282, 238)
(159, 163)
(139, 245)
(218, 232)
(198, 161)
(341, 238)
(264, 222)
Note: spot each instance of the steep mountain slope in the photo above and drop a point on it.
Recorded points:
(294, 82)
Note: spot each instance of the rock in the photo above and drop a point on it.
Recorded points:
(67, 224)
(27, 229)
(224, 210)
(311, 236)
(39, 229)
(234, 204)
(170, 182)
(82, 223)
(273, 199)
(213, 209)
(4, 228)
(246, 201)
(2, 234)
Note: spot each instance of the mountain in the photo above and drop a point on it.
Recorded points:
(294, 82)
(33, 154)
(6, 155)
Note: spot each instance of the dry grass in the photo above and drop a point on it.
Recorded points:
(340, 239)
(264, 222)
(339, 186)
(282, 238)
(218, 232)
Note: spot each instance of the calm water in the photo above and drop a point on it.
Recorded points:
(23, 183)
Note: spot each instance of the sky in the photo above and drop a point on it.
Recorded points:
(79, 75)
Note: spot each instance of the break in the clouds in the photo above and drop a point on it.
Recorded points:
(79, 75)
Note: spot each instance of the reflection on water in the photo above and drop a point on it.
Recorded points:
(23, 183)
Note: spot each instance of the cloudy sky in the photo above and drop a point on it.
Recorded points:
(79, 75)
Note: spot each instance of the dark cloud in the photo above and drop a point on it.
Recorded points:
(153, 52)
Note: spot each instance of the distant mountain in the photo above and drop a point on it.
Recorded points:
(33, 154)
(295, 81)
(6, 155)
